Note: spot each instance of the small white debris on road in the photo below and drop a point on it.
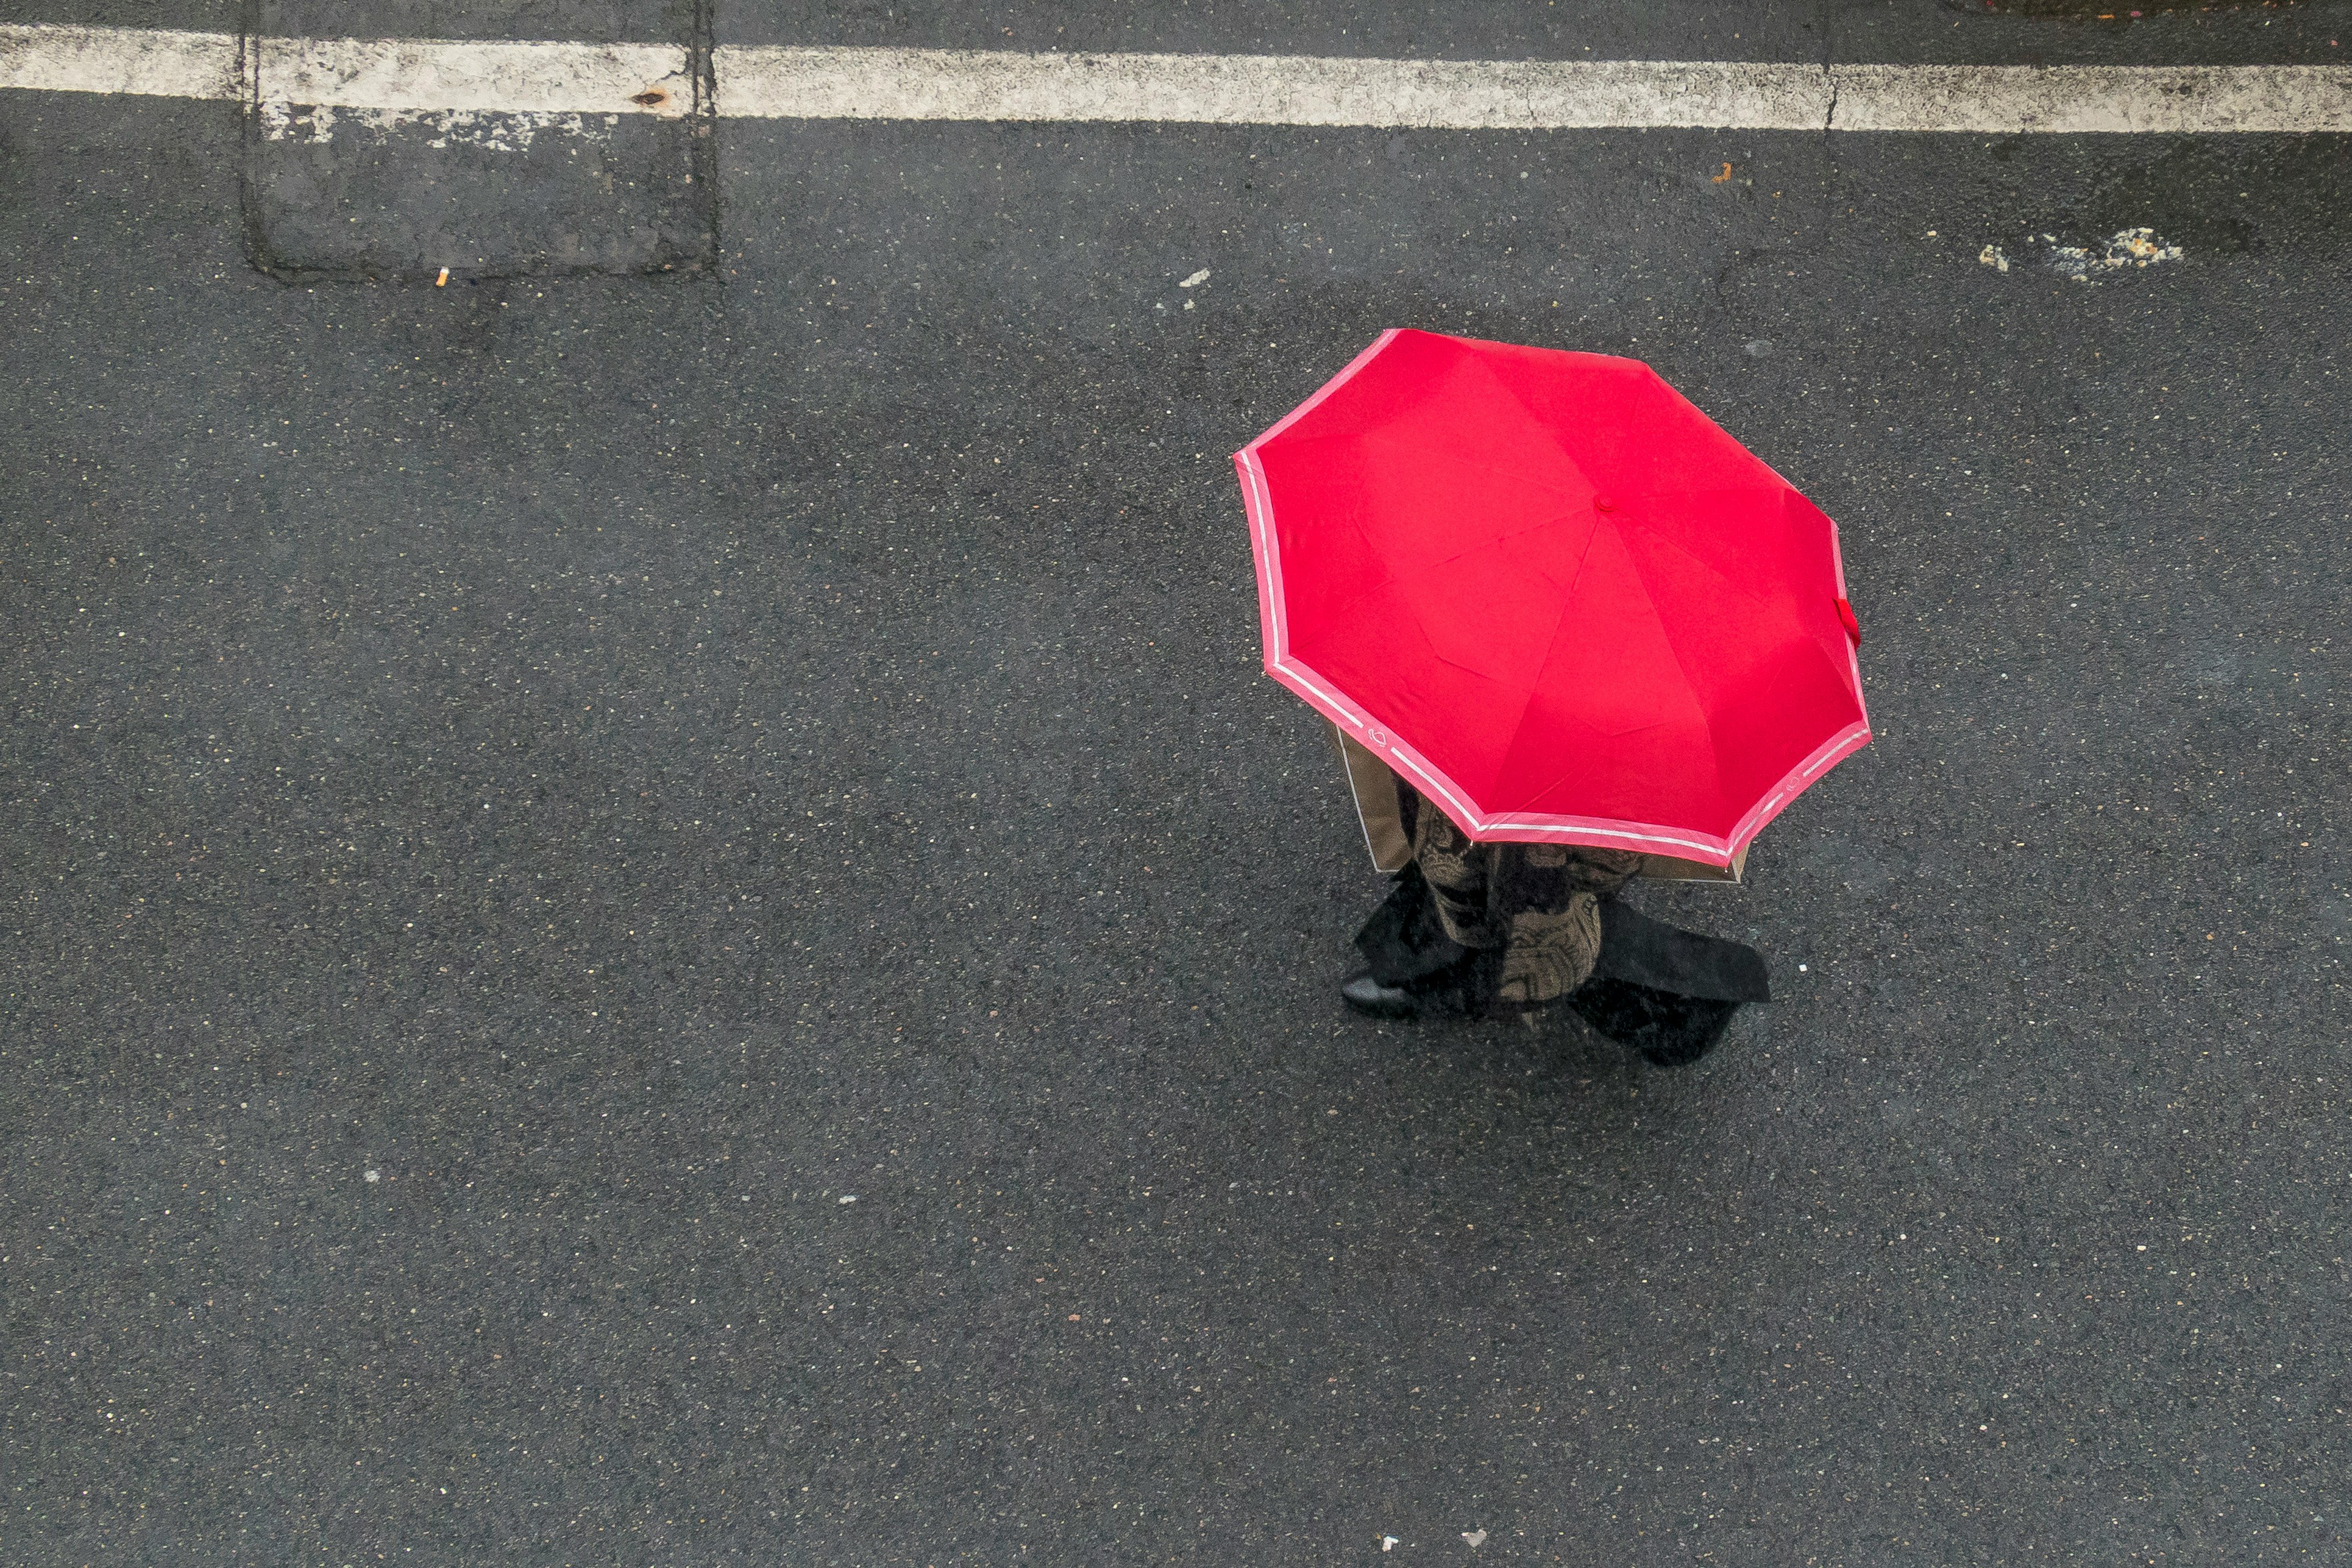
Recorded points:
(1477, 1537)
(371, 1176)
(2131, 250)
(1387, 1542)
(847, 1197)
(1196, 279)
(2128, 248)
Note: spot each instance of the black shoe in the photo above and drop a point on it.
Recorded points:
(1369, 997)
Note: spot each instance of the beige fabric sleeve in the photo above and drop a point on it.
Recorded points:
(1375, 788)
(1669, 868)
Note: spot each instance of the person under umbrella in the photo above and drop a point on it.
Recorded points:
(1569, 632)
(1473, 929)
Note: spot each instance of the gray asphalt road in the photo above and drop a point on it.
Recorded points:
(524, 800)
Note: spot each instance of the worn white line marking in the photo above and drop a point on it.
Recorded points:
(1265, 90)
(132, 60)
(2176, 100)
(418, 75)
(443, 76)
(429, 76)
(1536, 95)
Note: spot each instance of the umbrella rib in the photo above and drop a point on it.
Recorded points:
(1540, 422)
(1559, 630)
(1499, 539)
(1632, 516)
(1640, 568)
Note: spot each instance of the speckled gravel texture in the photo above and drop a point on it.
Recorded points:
(519, 801)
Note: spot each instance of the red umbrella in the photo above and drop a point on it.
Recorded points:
(1554, 596)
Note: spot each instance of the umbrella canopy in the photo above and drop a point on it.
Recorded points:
(1554, 596)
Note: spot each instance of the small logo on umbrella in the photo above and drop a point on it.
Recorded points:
(1377, 736)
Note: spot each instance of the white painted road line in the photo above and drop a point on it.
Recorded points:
(427, 76)
(418, 75)
(132, 60)
(2174, 99)
(434, 75)
(1266, 89)
(1533, 95)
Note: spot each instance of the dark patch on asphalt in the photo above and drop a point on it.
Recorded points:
(492, 196)
(343, 195)
(2213, 196)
